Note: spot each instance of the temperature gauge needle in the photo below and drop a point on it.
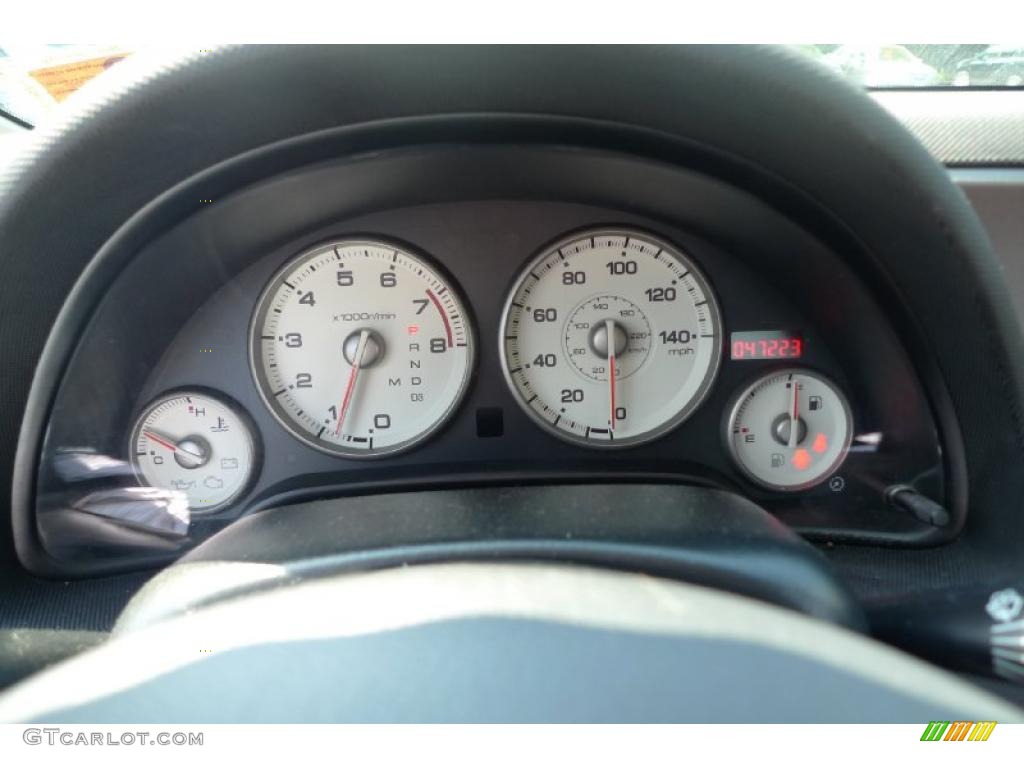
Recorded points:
(160, 440)
(179, 448)
(609, 327)
(357, 360)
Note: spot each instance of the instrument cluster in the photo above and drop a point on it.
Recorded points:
(609, 338)
(264, 353)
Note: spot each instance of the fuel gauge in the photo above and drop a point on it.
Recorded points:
(789, 430)
(195, 444)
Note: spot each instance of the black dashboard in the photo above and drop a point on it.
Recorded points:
(178, 317)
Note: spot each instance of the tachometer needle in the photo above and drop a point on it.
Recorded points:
(794, 413)
(609, 329)
(357, 361)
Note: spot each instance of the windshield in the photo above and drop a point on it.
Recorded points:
(35, 79)
(924, 66)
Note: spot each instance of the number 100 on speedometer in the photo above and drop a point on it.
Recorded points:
(611, 338)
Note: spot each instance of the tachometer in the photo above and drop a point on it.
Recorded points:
(611, 338)
(361, 348)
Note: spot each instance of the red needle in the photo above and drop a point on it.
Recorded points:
(793, 423)
(157, 439)
(352, 376)
(610, 332)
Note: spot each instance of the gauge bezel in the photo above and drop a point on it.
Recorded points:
(260, 311)
(733, 409)
(710, 376)
(241, 416)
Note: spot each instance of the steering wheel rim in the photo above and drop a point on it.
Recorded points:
(494, 643)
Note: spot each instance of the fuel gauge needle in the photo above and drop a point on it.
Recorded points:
(357, 360)
(609, 328)
(794, 413)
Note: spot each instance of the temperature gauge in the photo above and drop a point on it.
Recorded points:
(789, 430)
(197, 445)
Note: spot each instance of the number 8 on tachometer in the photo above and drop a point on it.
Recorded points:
(611, 338)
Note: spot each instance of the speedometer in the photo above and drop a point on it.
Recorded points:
(361, 348)
(611, 338)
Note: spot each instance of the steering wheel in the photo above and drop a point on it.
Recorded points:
(517, 633)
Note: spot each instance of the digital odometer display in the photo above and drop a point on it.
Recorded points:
(767, 345)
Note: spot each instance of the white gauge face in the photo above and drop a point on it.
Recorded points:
(196, 445)
(606, 301)
(789, 430)
(360, 348)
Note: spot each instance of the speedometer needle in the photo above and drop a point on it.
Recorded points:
(609, 329)
(357, 361)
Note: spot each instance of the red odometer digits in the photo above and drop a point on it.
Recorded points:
(767, 345)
